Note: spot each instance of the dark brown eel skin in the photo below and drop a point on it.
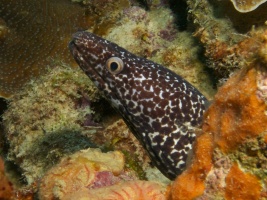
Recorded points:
(160, 107)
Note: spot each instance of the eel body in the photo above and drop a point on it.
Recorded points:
(161, 108)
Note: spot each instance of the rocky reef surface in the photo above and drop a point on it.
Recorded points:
(229, 160)
(60, 139)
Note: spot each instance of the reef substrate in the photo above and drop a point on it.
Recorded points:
(229, 159)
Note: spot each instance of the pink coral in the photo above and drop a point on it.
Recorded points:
(91, 174)
(84, 169)
(132, 190)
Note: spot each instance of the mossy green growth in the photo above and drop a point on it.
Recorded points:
(134, 164)
(49, 105)
(131, 159)
(252, 156)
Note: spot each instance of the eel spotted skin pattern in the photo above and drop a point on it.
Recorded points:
(160, 107)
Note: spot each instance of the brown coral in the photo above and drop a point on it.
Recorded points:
(35, 34)
(29, 47)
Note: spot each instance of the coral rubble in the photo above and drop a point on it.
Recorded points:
(229, 160)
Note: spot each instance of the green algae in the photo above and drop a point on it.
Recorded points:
(252, 156)
(131, 159)
(132, 162)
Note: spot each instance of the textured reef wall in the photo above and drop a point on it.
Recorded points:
(229, 159)
(225, 32)
(48, 113)
(58, 125)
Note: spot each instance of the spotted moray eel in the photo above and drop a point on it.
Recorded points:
(161, 108)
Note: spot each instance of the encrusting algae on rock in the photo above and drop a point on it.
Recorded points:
(234, 130)
(45, 120)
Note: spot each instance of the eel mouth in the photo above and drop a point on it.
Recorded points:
(77, 50)
(73, 49)
(77, 39)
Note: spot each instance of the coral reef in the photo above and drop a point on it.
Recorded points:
(224, 33)
(230, 153)
(155, 35)
(91, 174)
(45, 120)
(53, 117)
(130, 190)
(34, 34)
(102, 14)
(117, 136)
(88, 168)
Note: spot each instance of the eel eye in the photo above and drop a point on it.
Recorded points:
(114, 65)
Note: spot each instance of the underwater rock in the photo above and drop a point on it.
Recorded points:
(45, 121)
(230, 158)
